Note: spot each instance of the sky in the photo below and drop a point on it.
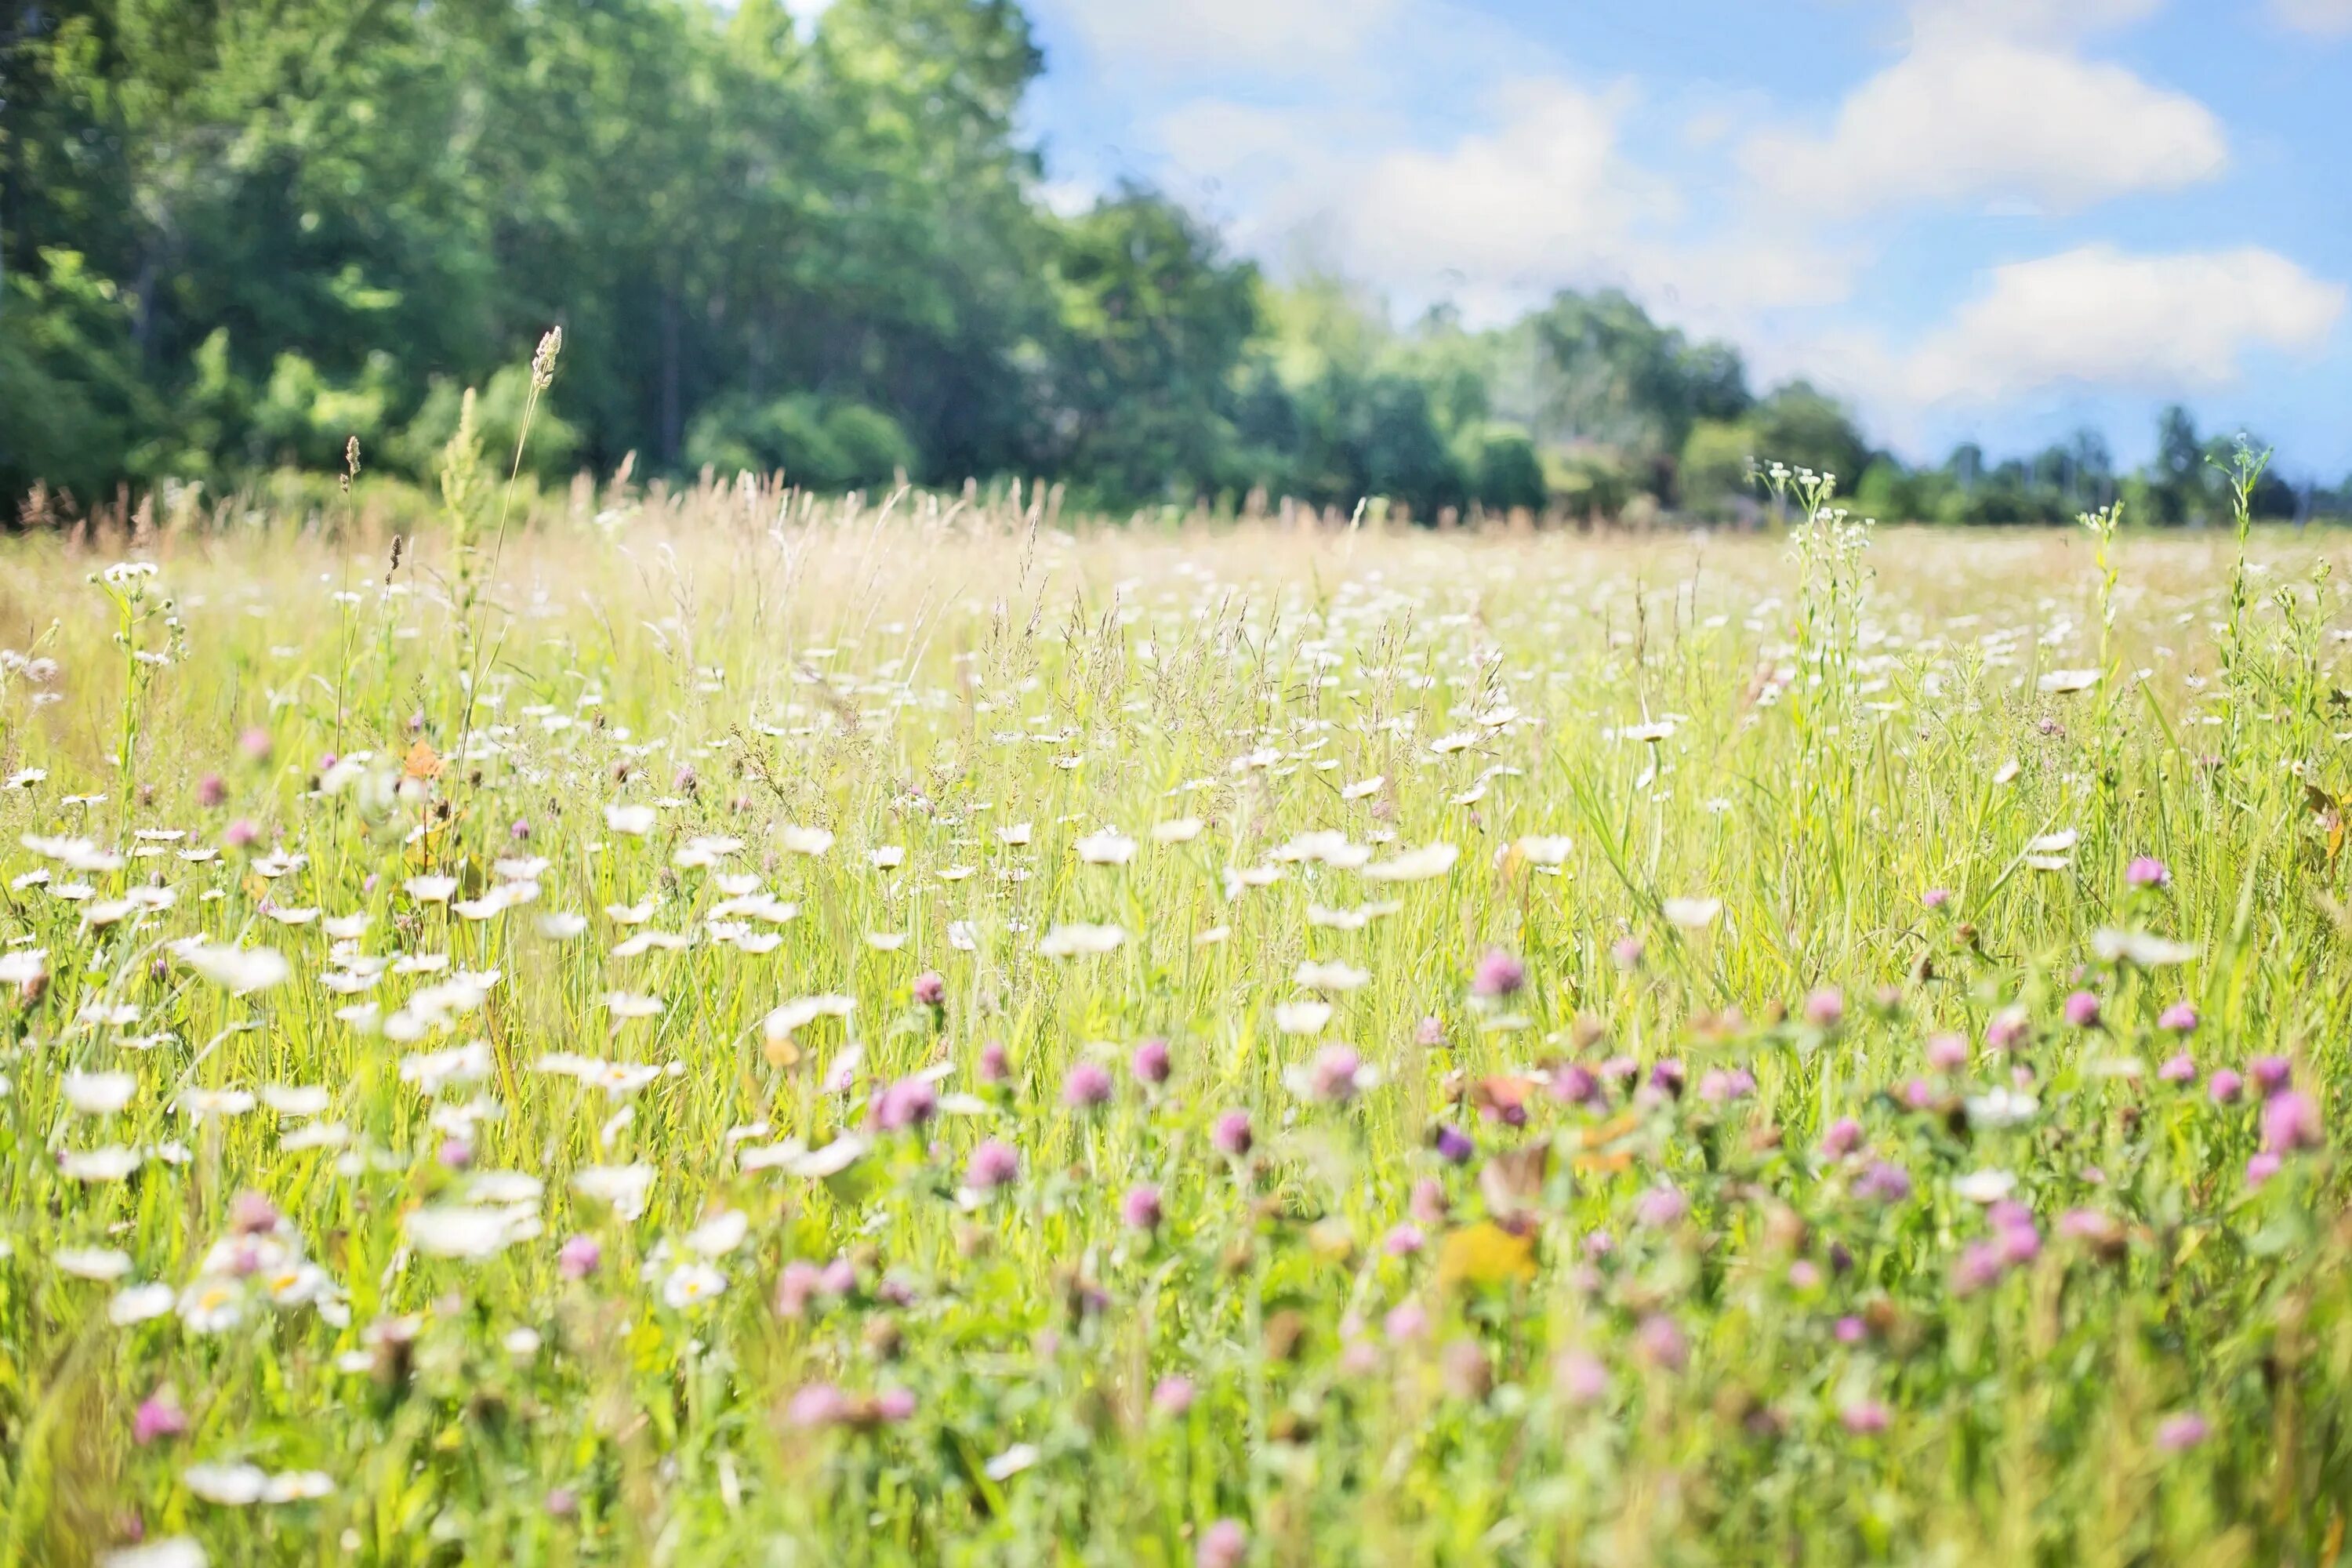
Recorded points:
(1989, 220)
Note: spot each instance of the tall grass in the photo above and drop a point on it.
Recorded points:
(1786, 1127)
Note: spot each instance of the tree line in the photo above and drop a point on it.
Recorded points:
(236, 235)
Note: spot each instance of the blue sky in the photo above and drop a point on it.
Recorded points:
(1975, 220)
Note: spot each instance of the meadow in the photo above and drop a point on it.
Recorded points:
(726, 1027)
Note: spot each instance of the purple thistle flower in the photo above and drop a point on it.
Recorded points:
(240, 833)
(1575, 1085)
(2180, 1018)
(1140, 1209)
(1978, 1269)
(158, 1416)
(930, 989)
(1230, 1136)
(1497, 975)
(1850, 1330)
(995, 1164)
(1580, 1378)
(1885, 1182)
(907, 1103)
(1842, 1138)
(1406, 1321)
(1151, 1062)
(1864, 1417)
(1666, 1077)
(2178, 1434)
(1661, 1343)
(1936, 897)
(2224, 1086)
(2270, 1074)
(1223, 1544)
(995, 1064)
(894, 1403)
(1721, 1086)
(1427, 1204)
(818, 1405)
(1826, 1008)
(1403, 1241)
(2261, 1168)
(1088, 1085)
(212, 790)
(1333, 1075)
(254, 744)
(2082, 1010)
(2179, 1068)
(1626, 953)
(2008, 1029)
(2148, 871)
(1454, 1145)
(1660, 1208)
(579, 1257)
(1430, 1032)
(2291, 1122)
(1172, 1395)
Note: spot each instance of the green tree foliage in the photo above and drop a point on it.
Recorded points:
(235, 235)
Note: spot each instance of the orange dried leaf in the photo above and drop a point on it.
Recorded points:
(422, 762)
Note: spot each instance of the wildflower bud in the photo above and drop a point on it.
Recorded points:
(579, 1257)
(240, 833)
(2148, 871)
(1826, 1008)
(1152, 1063)
(2224, 1086)
(2178, 1434)
(895, 1404)
(212, 790)
(2270, 1074)
(930, 989)
(2082, 1010)
(993, 1165)
(561, 1503)
(1948, 1052)
(1430, 1032)
(2180, 1018)
(1172, 1395)
(1403, 1241)
(1580, 1377)
(1498, 975)
(1864, 1417)
(159, 1416)
(1661, 1343)
(1453, 1145)
(1936, 897)
(1230, 1135)
(2291, 1122)
(1466, 1371)
(995, 1065)
(1140, 1209)
(1626, 953)
(1428, 1204)
(1223, 1544)
(254, 744)
(1088, 1085)
(2008, 1030)
(1842, 1138)
(1334, 1075)
(250, 1213)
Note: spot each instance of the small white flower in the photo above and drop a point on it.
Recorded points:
(1337, 975)
(1071, 941)
(1415, 865)
(98, 1093)
(139, 1304)
(1693, 914)
(636, 821)
(432, 889)
(719, 1234)
(92, 1262)
(810, 841)
(1302, 1017)
(1108, 848)
(691, 1284)
(1985, 1186)
(231, 1486)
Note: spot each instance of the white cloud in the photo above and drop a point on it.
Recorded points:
(2326, 18)
(2031, 18)
(2100, 317)
(1541, 196)
(1162, 34)
(1981, 116)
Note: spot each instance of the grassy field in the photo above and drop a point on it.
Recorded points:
(727, 1032)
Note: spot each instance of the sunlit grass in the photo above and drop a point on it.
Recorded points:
(1677, 1048)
